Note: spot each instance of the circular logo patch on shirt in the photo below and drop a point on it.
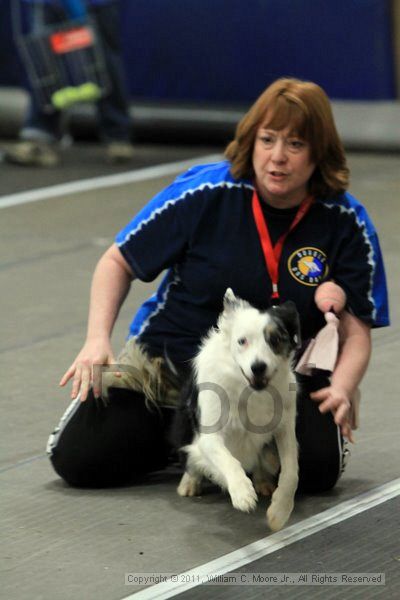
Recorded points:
(308, 265)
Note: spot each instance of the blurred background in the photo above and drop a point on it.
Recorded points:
(193, 67)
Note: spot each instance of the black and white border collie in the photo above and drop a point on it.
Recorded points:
(243, 405)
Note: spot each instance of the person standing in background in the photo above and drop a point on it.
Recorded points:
(41, 133)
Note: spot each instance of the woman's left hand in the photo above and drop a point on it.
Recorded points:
(337, 401)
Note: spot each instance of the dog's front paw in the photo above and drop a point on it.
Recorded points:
(278, 514)
(189, 486)
(243, 495)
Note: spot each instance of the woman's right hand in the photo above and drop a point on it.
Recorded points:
(86, 368)
(110, 284)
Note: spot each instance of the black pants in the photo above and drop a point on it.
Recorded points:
(319, 440)
(101, 445)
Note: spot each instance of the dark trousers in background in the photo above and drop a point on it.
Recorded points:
(112, 110)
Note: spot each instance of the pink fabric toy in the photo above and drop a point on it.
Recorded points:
(322, 352)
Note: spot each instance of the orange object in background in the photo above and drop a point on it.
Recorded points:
(73, 39)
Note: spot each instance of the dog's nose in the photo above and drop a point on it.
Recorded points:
(259, 368)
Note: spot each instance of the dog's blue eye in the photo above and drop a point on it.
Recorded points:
(242, 341)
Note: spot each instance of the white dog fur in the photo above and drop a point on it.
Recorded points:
(247, 409)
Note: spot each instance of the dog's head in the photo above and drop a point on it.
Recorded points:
(260, 342)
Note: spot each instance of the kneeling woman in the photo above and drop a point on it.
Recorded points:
(285, 174)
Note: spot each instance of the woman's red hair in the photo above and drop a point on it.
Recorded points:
(305, 108)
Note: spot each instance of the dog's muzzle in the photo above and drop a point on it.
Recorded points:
(259, 384)
(258, 379)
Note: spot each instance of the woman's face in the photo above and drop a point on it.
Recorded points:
(282, 167)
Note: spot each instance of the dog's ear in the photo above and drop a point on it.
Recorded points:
(231, 302)
(287, 313)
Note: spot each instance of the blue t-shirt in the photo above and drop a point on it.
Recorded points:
(200, 230)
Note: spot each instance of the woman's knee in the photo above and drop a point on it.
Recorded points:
(320, 469)
(320, 443)
(100, 471)
(99, 445)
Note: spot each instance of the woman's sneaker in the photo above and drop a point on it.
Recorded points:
(346, 453)
(33, 154)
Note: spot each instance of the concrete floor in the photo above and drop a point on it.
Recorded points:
(60, 543)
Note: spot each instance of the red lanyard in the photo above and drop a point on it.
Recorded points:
(272, 254)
